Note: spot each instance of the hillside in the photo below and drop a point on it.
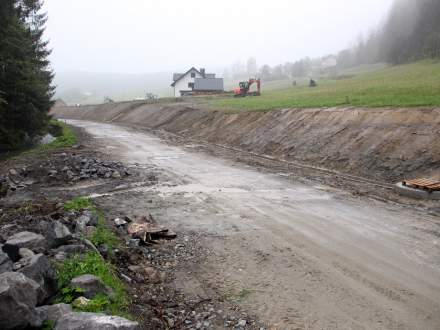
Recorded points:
(409, 85)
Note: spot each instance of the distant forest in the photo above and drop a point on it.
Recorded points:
(410, 32)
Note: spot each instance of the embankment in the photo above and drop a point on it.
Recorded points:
(384, 144)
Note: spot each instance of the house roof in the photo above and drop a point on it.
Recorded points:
(177, 76)
(183, 75)
(208, 84)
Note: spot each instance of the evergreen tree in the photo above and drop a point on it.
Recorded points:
(25, 78)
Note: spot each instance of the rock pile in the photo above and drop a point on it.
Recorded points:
(64, 168)
(28, 281)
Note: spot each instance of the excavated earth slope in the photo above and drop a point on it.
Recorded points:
(385, 144)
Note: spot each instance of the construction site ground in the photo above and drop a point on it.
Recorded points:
(295, 247)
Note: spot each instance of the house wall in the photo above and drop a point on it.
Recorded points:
(182, 84)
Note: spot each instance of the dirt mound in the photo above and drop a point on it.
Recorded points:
(385, 144)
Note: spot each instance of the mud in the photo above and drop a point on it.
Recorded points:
(299, 255)
(382, 144)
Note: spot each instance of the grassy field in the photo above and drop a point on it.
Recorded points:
(409, 85)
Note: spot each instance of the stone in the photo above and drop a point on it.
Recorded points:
(95, 321)
(62, 233)
(53, 173)
(134, 242)
(120, 222)
(80, 302)
(52, 312)
(116, 175)
(5, 262)
(61, 256)
(72, 249)
(12, 171)
(18, 298)
(87, 218)
(27, 239)
(91, 285)
(25, 253)
(39, 269)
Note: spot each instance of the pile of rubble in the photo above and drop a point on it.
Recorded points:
(28, 283)
(61, 168)
(148, 267)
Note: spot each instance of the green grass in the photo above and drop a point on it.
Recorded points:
(92, 263)
(102, 235)
(409, 85)
(78, 204)
(66, 139)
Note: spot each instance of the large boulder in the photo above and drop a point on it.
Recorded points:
(39, 269)
(83, 321)
(18, 298)
(53, 312)
(91, 286)
(56, 233)
(87, 218)
(27, 239)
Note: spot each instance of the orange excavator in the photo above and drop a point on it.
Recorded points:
(245, 86)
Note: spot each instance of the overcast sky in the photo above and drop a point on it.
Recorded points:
(139, 36)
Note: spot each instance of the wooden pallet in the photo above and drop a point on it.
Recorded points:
(424, 184)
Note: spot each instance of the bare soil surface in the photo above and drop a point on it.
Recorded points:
(383, 144)
(297, 254)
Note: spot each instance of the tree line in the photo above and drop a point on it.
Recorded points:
(411, 32)
(25, 76)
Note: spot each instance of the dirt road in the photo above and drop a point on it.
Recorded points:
(297, 256)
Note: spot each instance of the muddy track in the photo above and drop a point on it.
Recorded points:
(298, 256)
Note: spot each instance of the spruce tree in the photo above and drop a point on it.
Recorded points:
(25, 77)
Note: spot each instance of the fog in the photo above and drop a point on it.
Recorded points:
(140, 36)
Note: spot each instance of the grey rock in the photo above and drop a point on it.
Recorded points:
(18, 298)
(72, 249)
(92, 285)
(61, 256)
(52, 312)
(26, 253)
(87, 218)
(12, 171)
(39, 269)
(5, 262)
(116, 175)
(62, 233)
(120, 222)
(27, 239)
(83, 321)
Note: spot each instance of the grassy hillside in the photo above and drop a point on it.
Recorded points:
(416, 84)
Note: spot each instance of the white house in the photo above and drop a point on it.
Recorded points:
(195, 80)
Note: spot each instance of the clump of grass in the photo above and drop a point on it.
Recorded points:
(102, 235)
(78, 204)
(93, 263)
(66, 139)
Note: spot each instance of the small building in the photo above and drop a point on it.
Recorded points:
(193, 81)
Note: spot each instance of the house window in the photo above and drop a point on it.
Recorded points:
(193, 74)
(191, 85)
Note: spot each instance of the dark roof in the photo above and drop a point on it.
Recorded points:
(177, 76)
(183, 75)
(208, 84)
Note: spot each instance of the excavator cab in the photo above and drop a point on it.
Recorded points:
(244, 88)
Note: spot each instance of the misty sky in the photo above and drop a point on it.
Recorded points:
(138, 36)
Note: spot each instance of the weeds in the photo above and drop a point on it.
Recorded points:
(92, 263)
(78, 204)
